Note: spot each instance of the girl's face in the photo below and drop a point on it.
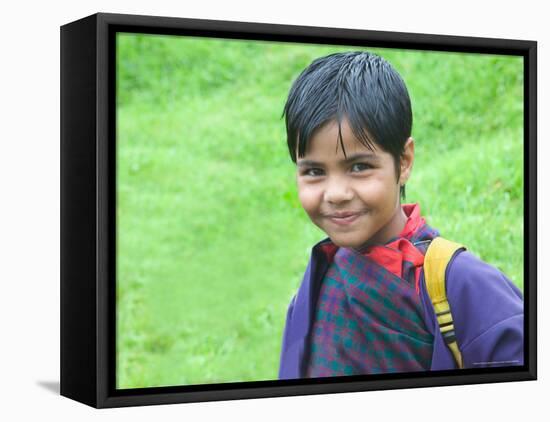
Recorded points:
(354, 200)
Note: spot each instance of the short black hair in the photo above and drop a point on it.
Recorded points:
(359, 86)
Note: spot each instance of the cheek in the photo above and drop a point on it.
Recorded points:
(377, 193)
(309, 198)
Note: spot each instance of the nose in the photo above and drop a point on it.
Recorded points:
(337, 190)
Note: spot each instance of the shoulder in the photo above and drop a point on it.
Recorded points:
(482, 298)
(467, 275)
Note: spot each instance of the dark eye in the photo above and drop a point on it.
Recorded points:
(312, 172)
(360, 167)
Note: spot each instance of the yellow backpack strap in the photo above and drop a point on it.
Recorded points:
(436, 259)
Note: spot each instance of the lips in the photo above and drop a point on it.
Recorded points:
(343, 218)
(343, 214)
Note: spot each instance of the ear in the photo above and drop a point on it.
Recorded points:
(407, 159)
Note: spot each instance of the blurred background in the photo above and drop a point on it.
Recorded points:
(211, 239)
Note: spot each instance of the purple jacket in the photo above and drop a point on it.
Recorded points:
(487, 309)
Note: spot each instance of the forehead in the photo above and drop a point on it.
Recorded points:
(325, 144)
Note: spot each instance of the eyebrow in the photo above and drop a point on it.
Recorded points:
(354, 157)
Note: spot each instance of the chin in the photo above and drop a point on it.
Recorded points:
(346, 242)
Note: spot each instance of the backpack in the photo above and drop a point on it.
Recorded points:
(437, 257)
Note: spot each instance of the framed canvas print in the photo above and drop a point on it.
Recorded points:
(257, 210)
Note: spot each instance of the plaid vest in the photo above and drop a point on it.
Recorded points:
(368, 320)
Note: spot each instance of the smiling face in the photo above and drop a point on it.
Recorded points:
(354, 198)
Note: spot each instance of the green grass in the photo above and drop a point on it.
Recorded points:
(212, 241)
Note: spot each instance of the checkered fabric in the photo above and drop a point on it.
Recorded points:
(369, 320)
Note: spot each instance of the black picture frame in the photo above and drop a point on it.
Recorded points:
(88, 164)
